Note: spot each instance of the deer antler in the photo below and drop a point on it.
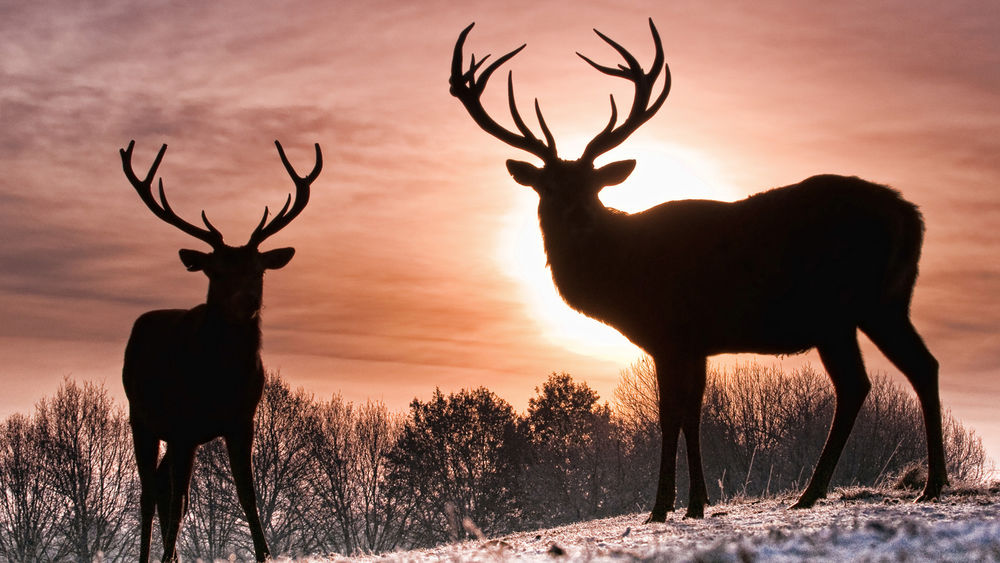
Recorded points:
(468, 89)
(641, 110)
(285, 216)
(162, 209)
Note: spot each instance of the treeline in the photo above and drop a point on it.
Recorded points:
(337, 477)
(763, 430)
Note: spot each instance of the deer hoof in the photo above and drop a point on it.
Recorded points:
(656, 517)
(804, 503)
(932, 491)
(695, 512)
(930, 494)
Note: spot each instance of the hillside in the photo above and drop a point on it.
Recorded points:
(852, 524)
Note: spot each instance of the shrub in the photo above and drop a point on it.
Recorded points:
(763, 429)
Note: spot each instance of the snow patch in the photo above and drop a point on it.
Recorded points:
(876, 528)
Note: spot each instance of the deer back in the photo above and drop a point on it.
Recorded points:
(721, 275)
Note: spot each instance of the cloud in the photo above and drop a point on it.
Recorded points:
(395, 286)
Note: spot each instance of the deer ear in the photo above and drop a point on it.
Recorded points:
(614, 173)
(193, 260)
(523, 173)
(277, 258)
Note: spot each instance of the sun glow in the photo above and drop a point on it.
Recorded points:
(662, 173)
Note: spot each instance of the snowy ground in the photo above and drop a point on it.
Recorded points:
(851, 525)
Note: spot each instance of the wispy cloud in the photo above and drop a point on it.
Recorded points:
(396, 278)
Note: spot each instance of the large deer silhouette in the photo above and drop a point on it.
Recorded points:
(780, 272)
(194, 375)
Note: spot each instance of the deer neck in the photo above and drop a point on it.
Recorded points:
(223, 329)
(583, 248)
(569, 231)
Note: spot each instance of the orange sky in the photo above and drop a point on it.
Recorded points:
(418, 262)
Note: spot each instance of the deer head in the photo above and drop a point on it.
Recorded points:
(235, 274)
(563, 183)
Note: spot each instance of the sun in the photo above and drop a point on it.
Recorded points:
(663, 173)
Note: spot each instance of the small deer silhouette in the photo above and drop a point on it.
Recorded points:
(780, 272)
(194, 375)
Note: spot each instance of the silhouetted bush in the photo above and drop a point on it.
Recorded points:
(456, 464)
(763, 429)
(573, 463)
(913, 477)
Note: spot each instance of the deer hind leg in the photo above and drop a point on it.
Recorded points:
(174, 475)
(147, 449)
(898, 340)
(163, 495)
(666, 484)
(693, 379)
(842, 359)
(239, 445)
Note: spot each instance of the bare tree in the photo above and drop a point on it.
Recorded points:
(351, 450)
(636, 399)
(377, 431)
(335, 448)
(966, 455)
(686, 280)
(215, 521)
(88, 466)
(757, 420)
(29, 510)
(283, 462)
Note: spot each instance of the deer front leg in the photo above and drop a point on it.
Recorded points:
(681, 384)
(180, 467)
(240, 447)
(666, 483)
(147, 449)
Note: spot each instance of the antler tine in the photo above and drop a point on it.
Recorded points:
(456, 62)
(611, 122)
(550, 141)
(642, 110)
(468, 89)
(162, 209)
(308, 179)
(620, 70)
(286, 215)
(127, 164)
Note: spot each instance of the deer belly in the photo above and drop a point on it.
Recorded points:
(193, 404)
(782, 325)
